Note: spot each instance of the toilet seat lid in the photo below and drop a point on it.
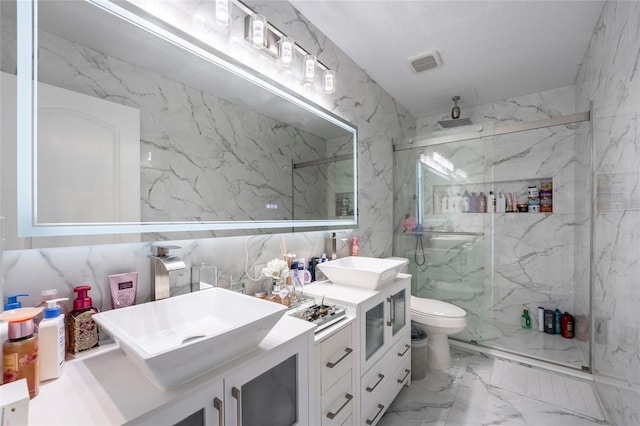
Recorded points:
(425, 306)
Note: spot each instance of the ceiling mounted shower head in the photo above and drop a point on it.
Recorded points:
(456, 121)
(455, 111)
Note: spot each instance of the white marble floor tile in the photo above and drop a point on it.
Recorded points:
(464, 395)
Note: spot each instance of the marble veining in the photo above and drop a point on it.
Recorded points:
(464, 395)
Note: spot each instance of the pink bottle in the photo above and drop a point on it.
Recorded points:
(355, 247)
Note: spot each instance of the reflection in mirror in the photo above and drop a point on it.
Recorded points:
(143, 132)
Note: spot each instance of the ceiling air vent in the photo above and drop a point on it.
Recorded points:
(428, 61)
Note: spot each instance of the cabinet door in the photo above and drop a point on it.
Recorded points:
(204, 407)
(398, 312)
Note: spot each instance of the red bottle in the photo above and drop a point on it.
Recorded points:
(566, 326)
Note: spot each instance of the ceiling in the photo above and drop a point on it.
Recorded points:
(490, 50)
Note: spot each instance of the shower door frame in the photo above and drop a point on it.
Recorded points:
(486, 131)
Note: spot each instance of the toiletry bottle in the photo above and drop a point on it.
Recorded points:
(567, 326)
(526, 319)
(20, 352)
(81, 329)
(491, 202)
(444, 202)
(501, 203)
(465, 202)
(48, 295)
(13, 302)
(556, 321)
(549, 326)
(355, 247)
(473, 203)
(482, 203)
(52, 341)
(540, 318)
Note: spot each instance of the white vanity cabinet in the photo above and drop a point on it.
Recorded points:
(382, 330)
(272, 384)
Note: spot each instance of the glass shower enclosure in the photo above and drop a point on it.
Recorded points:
(457, 220)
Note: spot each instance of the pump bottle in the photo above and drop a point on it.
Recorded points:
(355, 247)
(81, 329)
(20, 358)
(52, 341)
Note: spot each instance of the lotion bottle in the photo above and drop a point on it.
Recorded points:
(81, 329)
(52, 341)
(20, 358)
(355, 247)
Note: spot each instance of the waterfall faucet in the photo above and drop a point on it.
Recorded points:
(161, 264)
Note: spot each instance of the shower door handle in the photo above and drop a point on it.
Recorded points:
(392, 311)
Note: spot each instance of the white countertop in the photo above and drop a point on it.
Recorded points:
(104, 388)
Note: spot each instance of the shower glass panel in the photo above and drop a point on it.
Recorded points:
(497, 263)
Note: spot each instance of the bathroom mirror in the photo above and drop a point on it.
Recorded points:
(129, 129)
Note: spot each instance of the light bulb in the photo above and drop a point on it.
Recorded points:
(329, 81)
(223, 12)
(309, 68)
(286, 51)
(258, 31)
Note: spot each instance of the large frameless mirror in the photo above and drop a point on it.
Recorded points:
(118, 127)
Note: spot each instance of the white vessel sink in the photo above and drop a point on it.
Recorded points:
(365, 272)
(176, 339)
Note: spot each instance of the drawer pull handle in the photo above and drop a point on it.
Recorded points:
(347, 351)
(407, 372)
(235, 392)
(406, 348)
(371, 388)
(217, 404)
(370, 421)
(331, 415)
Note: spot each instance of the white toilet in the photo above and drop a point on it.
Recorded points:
(438, 319)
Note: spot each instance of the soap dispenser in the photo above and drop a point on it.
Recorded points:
(52, 340)
(81, 329)
(13, 302)
(20, 352)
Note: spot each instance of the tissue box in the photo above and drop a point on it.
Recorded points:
(14, 403)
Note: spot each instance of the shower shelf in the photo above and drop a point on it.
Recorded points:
(462, 233)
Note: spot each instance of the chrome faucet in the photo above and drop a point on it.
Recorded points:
(161, 264)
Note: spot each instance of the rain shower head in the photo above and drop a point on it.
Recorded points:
(455, 121)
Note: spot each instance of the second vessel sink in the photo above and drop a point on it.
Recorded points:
(365, 272)
(176, 339)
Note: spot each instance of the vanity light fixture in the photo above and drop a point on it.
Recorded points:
(329, 81)
(223, 12)
(258, 31)
(263, 35)
(287, 49)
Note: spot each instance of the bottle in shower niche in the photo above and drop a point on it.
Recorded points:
(482, 203)
(473, 203)
(437, 202)
(557, 317)
(549, 326)
(466, 201)
(567, 328)
(526, 319)
(491, 202)
(81, 329)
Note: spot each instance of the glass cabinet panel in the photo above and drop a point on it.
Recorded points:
(374, 329)
(398, 312)
(272, 397)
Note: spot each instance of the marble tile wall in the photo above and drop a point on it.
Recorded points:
(524, 260)
(609, 77)
(380, 121)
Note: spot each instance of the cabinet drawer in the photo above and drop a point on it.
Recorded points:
(336, 357)
(338, 401)
(402, 348)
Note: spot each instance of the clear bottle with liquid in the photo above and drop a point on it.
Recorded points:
(20, 358)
